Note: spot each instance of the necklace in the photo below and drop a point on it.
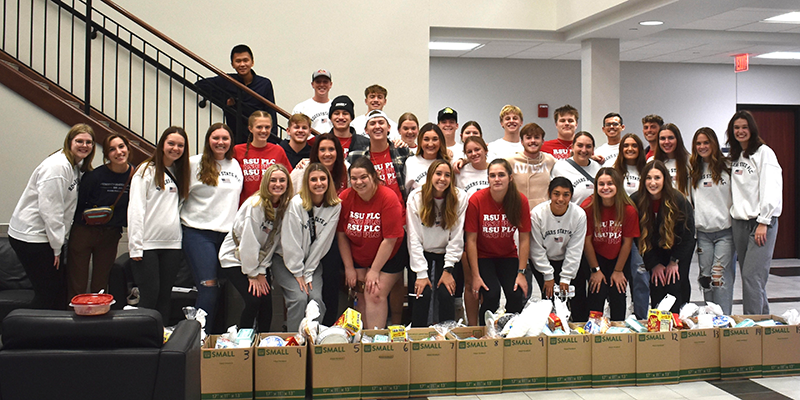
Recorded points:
(564, 143)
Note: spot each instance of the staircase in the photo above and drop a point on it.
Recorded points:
(125, 78)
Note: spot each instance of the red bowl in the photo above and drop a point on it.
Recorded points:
(92, 303)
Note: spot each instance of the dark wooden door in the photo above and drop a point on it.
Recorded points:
(777, 125)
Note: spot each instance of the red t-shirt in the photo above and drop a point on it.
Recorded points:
(650, 153)
(367, 223)
(258, 160)
(558, 148)
(345, 144)
(385, 169)
(608, 241)
(488, 219)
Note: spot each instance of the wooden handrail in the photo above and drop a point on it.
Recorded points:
(195, 57)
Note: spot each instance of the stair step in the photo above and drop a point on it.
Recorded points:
(73, 103)
(11, 64)
(45, 85)
(106, 123)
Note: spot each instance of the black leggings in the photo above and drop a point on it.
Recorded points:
(258, 309)
(682, 289)
(497, 274)
(616, 299)
(49, 284)
(155, 275)
(445, 304)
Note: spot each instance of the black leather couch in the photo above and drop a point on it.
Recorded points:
(121, 355)
(15, 288)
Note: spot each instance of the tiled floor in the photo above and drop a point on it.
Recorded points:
(756, 389)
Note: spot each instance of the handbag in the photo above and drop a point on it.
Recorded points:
(102, 215)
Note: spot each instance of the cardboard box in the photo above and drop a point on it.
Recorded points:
(658, 358)
(740, 352)
(384, 368)
(525, 363)
(280, 372)
(335, 370)
(479, 362)
(433, 365)
(614, 359)
(569, 361)
(226, 373)
(699, 354)
(780, 347)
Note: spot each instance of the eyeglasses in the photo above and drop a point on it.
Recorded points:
(612, 125)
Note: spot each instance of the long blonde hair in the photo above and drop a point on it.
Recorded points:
(271, 212)
(427, 212)
(330, 198)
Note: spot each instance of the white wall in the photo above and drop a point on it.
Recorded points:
(478, 88)
(689, 95)
(29, 136)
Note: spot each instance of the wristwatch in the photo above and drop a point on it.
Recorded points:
(521, 271)
(449, 269)
(596, 269)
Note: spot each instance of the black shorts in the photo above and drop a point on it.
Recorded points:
(394, 264)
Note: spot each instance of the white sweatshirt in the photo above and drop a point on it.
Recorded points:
(631, 180)
(416, 172)
(433, 239)
(712, 202)
(557, 238)
(300, 256)
(581, 187)
(252, 230)
(471, 180)
(502, 148)
(153, 213)
(757, 186)
(609, 153)
(46, 208)
(212, 208)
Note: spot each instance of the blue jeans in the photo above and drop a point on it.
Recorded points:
(714, 253)
(640, 284)
(201, 249)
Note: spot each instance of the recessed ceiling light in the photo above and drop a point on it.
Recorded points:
(454, 46)
(781, 55)
(651, 23)
(788, 18)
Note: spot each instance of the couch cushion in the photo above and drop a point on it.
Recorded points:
(12, 274)
(49, 329)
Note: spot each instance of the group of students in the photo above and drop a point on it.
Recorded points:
(361, 210)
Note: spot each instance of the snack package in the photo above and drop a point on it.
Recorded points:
(636, 326)
(553, 322)
(397, 333)
(444, 327)
(745, 323)
(351, 321)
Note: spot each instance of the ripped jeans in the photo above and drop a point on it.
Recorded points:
(717, 273)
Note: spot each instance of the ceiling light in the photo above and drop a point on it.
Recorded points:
(651, 23)
(454, 46)
(781, 55)
(788, 18)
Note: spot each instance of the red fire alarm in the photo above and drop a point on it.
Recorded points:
(543, 110)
